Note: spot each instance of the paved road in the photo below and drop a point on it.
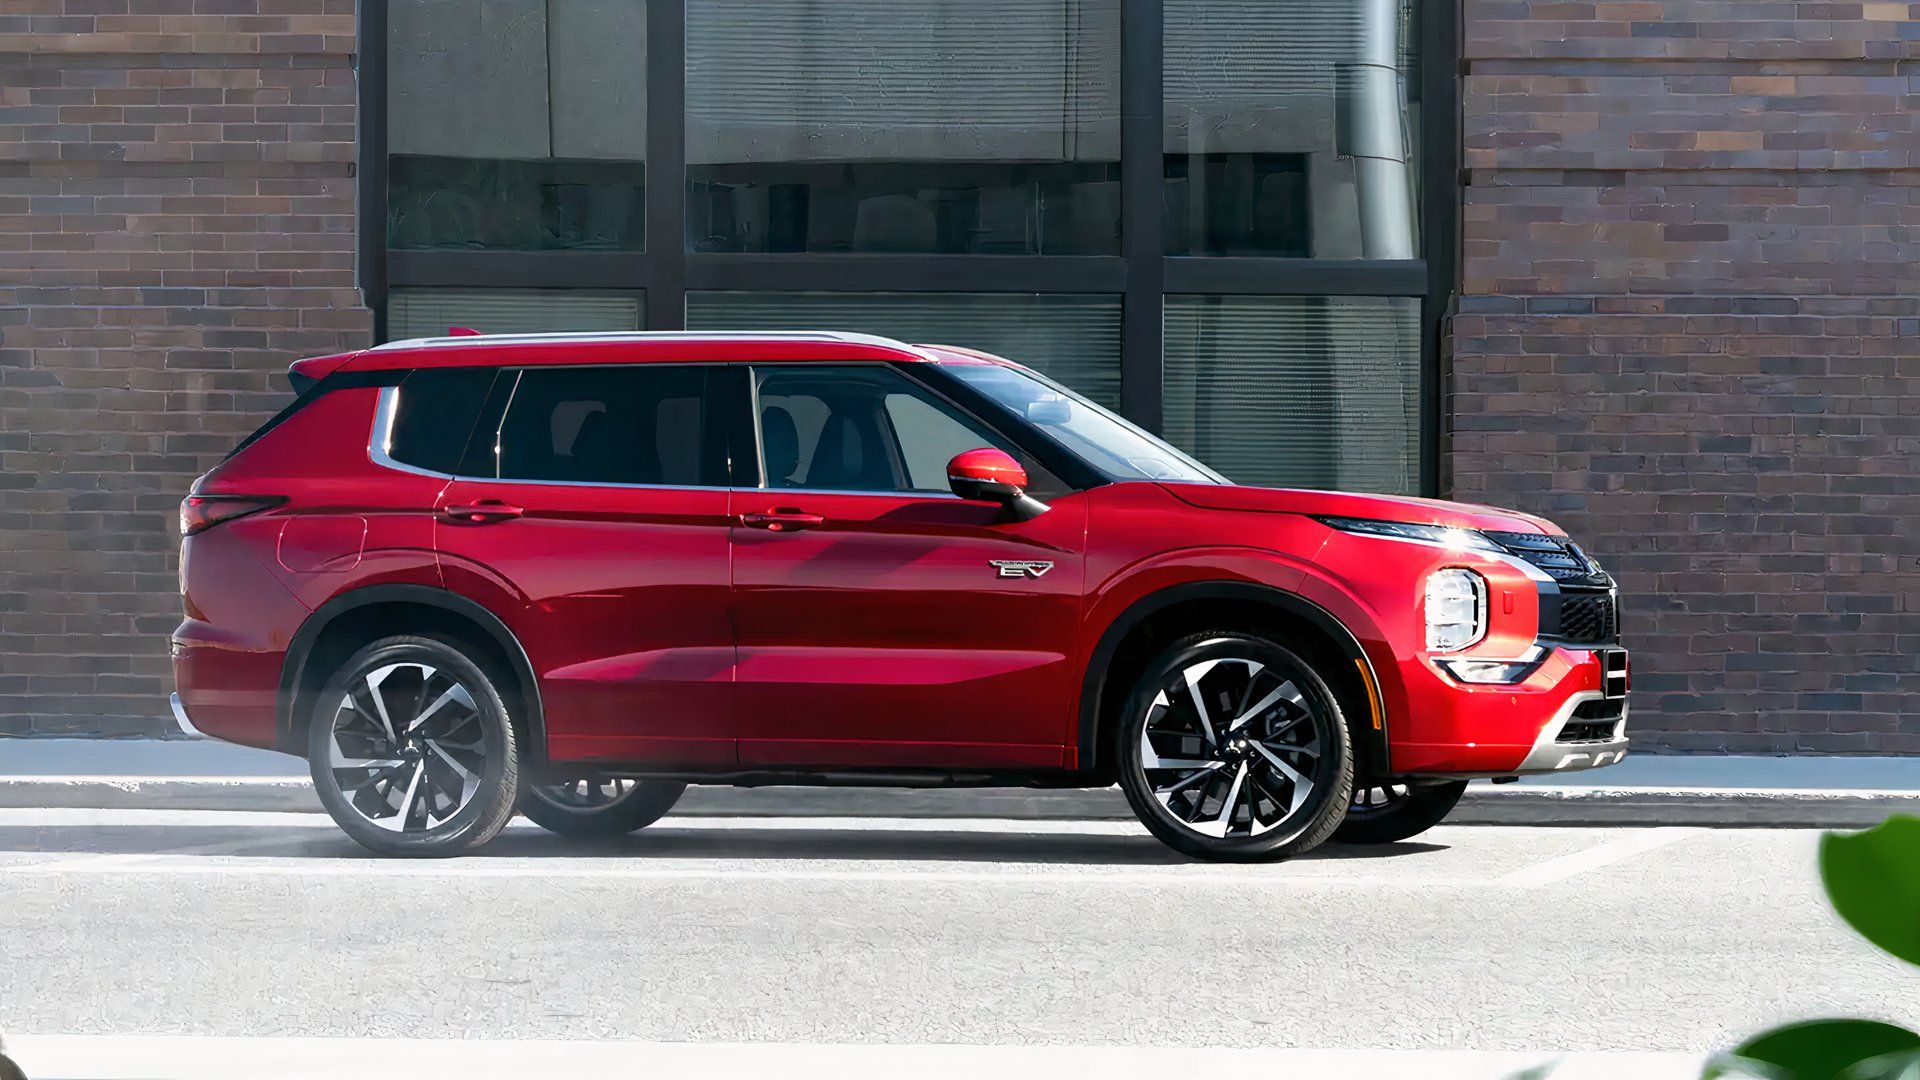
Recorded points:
(1473, 951)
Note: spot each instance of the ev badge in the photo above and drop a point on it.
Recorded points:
(1018, 568)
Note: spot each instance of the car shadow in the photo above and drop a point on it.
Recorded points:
(664, 840)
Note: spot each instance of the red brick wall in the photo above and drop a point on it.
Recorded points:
(176, 225)
(1690, 333)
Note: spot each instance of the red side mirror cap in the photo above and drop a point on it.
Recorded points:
(986, 466)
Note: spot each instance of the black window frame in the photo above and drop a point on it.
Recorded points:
(1142, 274)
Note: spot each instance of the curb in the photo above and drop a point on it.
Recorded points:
(1484, 804)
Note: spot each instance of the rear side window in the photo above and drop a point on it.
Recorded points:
(634, 424)
(435, 416)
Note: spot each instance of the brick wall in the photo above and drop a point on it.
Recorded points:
(1690, 333)
(176, 225)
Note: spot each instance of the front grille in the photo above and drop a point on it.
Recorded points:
(1588, 618)
(1593, 721)
(1558, 557)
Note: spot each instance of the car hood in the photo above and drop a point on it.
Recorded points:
(1377, 507)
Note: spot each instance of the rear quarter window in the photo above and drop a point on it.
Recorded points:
(436, 415)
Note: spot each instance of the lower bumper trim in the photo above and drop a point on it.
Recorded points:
(180, 717)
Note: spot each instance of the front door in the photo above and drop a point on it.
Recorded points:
(596, 526)
(880, 620)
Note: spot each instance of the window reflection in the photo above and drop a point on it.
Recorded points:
(968, 126)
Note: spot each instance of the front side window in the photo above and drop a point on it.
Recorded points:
(637, 424)
(865, 428)
(1103, 440)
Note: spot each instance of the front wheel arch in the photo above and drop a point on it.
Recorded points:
(339, 627)
(1166, 615)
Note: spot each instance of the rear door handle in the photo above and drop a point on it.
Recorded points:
(782, 520)
(484, 512)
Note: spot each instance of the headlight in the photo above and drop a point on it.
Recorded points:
(1494, 671)
(1456, 609)
(1443, 535)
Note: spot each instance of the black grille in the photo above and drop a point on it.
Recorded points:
(1560, 558)
(1593, 721)
(1588, 617)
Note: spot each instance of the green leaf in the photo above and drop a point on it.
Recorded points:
(1873, 879)
(1544, 1070)
(1904, 1065)
(1814, 1050)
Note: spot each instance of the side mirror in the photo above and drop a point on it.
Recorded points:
(988, 475)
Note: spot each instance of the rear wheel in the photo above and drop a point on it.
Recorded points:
(1233, 748)
(1389, 813)
(412, 748)
(593, 808)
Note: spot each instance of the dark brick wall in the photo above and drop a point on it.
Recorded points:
(1690, 333)
(176, 225)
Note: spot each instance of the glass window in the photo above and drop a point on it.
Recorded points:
(1290, 128)
(418, 313)
(1096, 436)
(516, 124)
(1297, 391)
(635, 424)
(982, 126)
(436, 413)
(865, 428)
(1074, 339)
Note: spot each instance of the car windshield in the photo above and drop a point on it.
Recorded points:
(1104, 440)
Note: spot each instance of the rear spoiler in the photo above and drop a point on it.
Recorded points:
(303, 374)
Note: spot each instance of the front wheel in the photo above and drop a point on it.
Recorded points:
(1389, 813)
(412, 749)
(592, 808)
(1233, 748)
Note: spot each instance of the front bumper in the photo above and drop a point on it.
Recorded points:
(1569, 714)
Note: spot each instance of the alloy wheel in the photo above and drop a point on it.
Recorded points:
(1231, 747)
(1378, 799)
(586, 795)
(408, 747)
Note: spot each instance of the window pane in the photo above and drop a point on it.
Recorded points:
(1074, 339)
(438, 407)
(638, 424)
(1297, 391)
(1290, 128)
(858, 429)
(418, 313)
(516, 124)
(987, 126)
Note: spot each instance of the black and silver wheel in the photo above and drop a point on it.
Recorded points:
(1387, 813)
(412, 749)
(592, 808)
(1232, 748)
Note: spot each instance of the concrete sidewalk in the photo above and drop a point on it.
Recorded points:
(1645, 789)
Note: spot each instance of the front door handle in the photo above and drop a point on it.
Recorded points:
(484, 512)
(782, 520)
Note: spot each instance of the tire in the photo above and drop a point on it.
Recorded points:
(10, 1071)
(443, 782)
(1390, 813)
(596, 809)
(1292, 781)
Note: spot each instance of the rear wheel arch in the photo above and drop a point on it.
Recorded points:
(1164, 616)
(338, 628)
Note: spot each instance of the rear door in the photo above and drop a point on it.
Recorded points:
(591, 513)
(879, 618)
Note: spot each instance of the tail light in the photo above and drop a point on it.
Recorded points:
(199, 513)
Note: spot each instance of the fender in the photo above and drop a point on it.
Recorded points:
(310, 630)
(1374, 740)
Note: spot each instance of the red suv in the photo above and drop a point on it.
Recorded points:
(571, 574)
